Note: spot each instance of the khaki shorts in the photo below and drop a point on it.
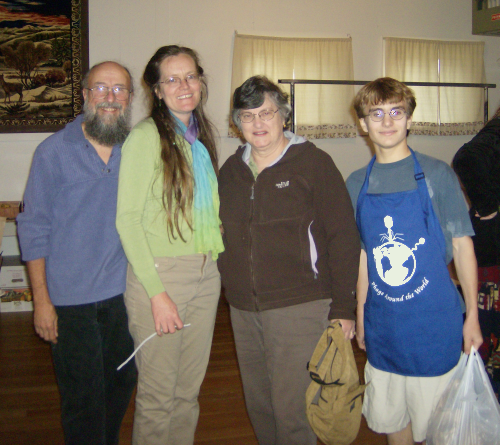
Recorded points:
(392, 401)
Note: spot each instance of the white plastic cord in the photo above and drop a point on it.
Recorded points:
(140, 346)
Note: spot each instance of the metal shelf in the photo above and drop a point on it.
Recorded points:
(293, 82)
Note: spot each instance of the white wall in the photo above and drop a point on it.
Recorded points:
(130, 31)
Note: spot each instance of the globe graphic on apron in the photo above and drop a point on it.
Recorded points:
(395, 262)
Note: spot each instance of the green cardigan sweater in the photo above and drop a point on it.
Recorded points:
(141, 218)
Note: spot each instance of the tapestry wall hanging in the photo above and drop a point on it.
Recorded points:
(43, 57)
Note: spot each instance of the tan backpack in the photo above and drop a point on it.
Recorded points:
(334, 397)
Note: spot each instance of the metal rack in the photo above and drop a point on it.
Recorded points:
(293, 82)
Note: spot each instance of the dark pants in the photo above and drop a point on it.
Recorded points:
(93, 341)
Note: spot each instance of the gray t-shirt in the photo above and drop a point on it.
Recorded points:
(447, 198)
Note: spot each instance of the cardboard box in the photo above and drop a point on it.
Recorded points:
(15, 294)
(10, 246)
(9, 243)
(3, 220)
(13, 273)
(10, 209)
(10, 228)
(16, 300)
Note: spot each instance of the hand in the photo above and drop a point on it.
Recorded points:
(45, 321)
(165, 314)
(348, 328)
(45, 315)
(360, 336)
(472, 334)
(485, 218)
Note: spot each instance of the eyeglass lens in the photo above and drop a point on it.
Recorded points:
(395, 114)
(191, 79)
(265, 115)
(103, 91)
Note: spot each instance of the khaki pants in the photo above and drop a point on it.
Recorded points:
(273, 348)
(172, 367)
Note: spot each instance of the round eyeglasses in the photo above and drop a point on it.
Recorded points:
(102, 91)
(191, 79)
(378, 114)
(266, 115)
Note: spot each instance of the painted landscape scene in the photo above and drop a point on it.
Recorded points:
(36, 62)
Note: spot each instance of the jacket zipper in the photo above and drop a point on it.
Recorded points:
(252, 196)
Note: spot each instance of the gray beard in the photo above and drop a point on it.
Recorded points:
(108, 134)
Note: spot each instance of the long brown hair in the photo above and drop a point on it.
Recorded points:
(178, 178)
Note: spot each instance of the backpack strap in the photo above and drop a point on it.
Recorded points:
(323, 358)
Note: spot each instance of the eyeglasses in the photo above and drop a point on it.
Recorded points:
(101, 91)
(378, 114)
(191, 79)
(266, 115)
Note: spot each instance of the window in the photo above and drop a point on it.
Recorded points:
(322, 111)
(440, 110)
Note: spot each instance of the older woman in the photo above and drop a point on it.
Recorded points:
(291, 259)
(168, 222)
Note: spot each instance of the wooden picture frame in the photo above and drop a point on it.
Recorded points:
(43, 57)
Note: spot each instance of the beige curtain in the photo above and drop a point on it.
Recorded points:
(440, 110)
(322, 111)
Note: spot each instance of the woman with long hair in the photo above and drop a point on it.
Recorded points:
(168, 222)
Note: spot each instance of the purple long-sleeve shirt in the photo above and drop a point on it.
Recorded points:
(69, 219)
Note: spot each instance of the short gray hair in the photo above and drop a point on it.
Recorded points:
(252, 94)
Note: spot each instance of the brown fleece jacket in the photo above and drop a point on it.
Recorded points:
(268, 224)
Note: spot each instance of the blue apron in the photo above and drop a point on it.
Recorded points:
(413, 319)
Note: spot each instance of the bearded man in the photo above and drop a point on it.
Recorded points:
(76, 263)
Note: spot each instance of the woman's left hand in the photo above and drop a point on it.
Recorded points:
(348, 328)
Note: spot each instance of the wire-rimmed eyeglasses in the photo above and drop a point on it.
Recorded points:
(191, 79)
(378, 114)
(265, 115)
(101, 91)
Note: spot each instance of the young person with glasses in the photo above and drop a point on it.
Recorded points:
(413, 220)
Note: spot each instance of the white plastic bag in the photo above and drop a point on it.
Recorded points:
(468, 412)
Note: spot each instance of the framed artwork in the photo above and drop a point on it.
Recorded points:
(43, 57)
